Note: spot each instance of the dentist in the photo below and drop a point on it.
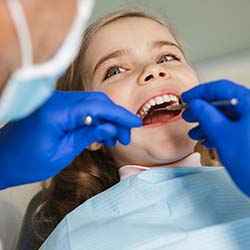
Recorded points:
(45, 129)
(230, 135)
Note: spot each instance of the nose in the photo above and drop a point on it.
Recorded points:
(153, 72)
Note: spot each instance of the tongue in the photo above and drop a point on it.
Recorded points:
(159, 116)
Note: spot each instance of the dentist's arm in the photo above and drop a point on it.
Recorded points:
(41, 145)
(230, 135)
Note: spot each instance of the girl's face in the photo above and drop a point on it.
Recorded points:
(137, 62)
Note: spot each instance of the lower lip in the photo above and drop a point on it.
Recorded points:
(163, 122)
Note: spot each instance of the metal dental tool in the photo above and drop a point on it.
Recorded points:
(183, 106)
(220, 103)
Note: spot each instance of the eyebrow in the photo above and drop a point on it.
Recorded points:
(122, 52)
(115, 54)
(159, 44)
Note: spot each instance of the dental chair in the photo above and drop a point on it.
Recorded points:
(26, 237)
(10, 218)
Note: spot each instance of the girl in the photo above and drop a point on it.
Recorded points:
(138, 62)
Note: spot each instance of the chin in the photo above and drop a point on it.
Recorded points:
(155, 146)
(172, 155)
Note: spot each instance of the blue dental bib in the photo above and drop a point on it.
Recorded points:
(161, 208)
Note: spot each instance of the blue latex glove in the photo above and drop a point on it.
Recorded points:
(39, 146)
(230, 135)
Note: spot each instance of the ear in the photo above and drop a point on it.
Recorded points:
(95, 146)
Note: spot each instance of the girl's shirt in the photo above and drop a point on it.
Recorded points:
(160, 208)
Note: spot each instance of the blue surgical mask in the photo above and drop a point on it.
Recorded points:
(31, 85)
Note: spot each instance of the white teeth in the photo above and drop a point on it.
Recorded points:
(142, 112)
(152, 102)
(173, 98)
(157, 100)
(166, 98)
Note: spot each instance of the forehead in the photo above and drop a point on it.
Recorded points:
(129, 32)
(123, 27)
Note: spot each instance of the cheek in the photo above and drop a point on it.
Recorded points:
(192, 77)
(117, 92)
(188, 77)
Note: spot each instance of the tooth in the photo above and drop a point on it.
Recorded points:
(142, 112)
(148, 105)
(171, 97)
(145, 109)
(166, 98)
(159, 100)
(152, 102)
(174, 98)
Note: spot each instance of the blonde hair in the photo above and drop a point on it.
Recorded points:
(91, 172)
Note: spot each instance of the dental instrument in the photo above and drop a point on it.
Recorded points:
(219, 103)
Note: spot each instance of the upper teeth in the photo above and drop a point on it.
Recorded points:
(156, 101)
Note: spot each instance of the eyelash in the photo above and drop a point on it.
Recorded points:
(177, 58)
(107, 72)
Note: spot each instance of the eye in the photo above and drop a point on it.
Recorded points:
(114, 70)
(168, 58)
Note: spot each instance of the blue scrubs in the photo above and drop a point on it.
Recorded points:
(160, 208)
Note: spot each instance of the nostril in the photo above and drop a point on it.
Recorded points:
(149, 77)
(162, 74)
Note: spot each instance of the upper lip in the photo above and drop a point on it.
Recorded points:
(155, 93)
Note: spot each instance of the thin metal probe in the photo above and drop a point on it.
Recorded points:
(219, 103)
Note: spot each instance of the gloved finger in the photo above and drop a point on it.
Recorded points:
(196, 133)
(102, 112)
(187, 115)
(69, 108)
(84, 137)
(104, 131)
(210, 119)
(207, 144)
(221, 90)
(74, 142)
(123, 135)
(215, 90)
(111, 142)
(112, 113)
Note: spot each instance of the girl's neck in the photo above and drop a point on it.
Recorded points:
(192, 160)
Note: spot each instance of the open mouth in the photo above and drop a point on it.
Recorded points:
(153, 111)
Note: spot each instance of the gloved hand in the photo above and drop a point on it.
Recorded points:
(39, 146)
(230, 135)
